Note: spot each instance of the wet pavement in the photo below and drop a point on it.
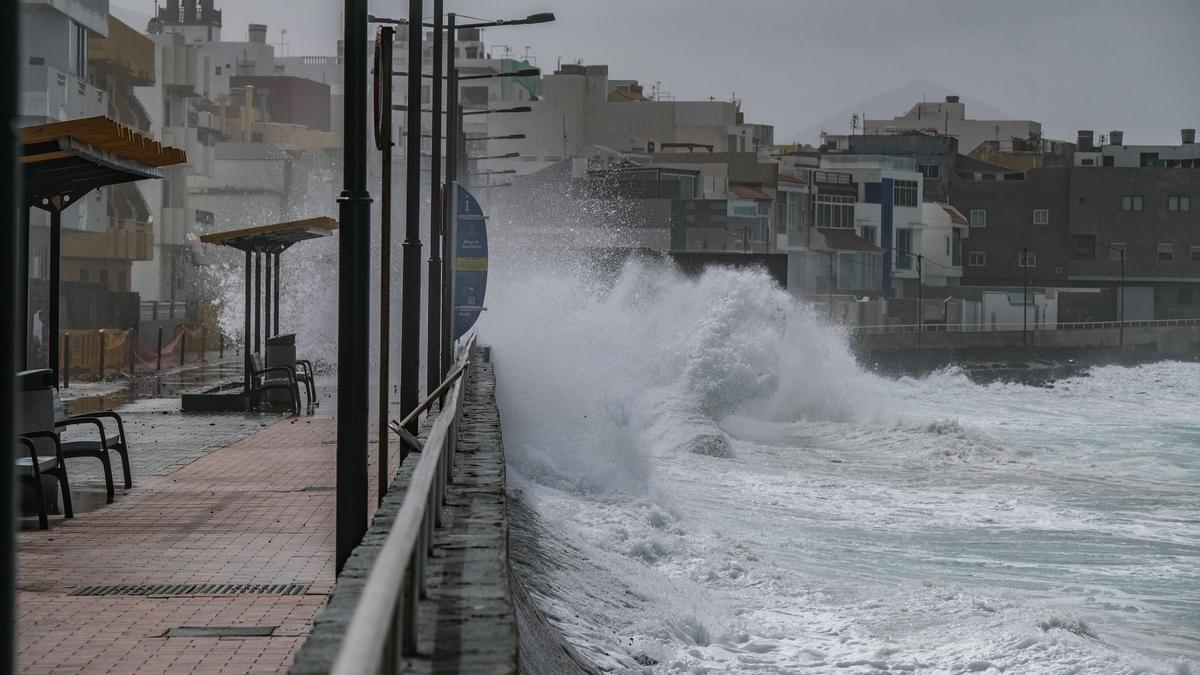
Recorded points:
(224, 508)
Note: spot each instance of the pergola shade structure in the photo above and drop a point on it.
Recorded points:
(61, 162)
(271, 241)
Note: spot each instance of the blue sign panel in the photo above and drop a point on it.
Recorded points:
(470, 260)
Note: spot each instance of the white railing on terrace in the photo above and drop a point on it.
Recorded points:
(1015, 327)
(383, 627)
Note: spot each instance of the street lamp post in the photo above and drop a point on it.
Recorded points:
(10, 358)
(433, 302)
(410, 333)
(354, 257)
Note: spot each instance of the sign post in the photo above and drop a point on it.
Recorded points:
(470, 260)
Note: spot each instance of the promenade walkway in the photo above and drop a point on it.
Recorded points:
(217, 499)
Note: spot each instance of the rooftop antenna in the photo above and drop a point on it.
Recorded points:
(854, 124)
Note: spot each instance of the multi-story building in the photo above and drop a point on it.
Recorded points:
(948, 118)
(255, 130)
(1018, 226)
(1070, 227)
(581, 112)
(1144, 207)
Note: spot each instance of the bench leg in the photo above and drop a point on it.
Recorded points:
(61, 474)
(124, 453)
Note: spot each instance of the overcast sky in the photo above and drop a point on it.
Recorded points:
(1070, 64)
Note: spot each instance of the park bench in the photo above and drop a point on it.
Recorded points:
(32, 466)
(43, 411)
(273, 378)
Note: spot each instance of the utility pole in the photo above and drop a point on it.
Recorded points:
(920, 301)
(1122, 329)
(354, 316)
(433, 302)
(384, 38)
(410, 332)
(1025, 296)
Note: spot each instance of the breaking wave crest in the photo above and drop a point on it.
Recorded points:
(644, 357)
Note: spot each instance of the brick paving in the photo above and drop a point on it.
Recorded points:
(216, 499)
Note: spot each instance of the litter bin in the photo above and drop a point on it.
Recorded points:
(279, 351)
(37, 411)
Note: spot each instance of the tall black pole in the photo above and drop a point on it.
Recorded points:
(920, 302)
(257, 302)
(56, 206)
(452, 150)
(275, 255)
(246, 329)
(11, 357)
(433, 302)
(22, 289)
(1122, 332)
(1025, 296)
(410, 330)
(354, 277)
(266, 301)
(383, 141)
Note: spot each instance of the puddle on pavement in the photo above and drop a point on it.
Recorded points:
(152, 386)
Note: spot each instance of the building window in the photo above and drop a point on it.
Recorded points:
(869, 233)
(904, 193)
(1131, 202)
(978, 217)
(904, 246)
(1027, 259)
(956, 247)
(930, 170)
(1087, 162)
(78, 50)
(1195, 254)
(1116, 250)
(1166, 252)
(1185, 296)
(83, 274)
(1179, 203)
(1083, 247)
(977, 259)
(834, 210)
(1041, 216)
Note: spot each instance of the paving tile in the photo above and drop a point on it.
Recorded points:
(216, 499)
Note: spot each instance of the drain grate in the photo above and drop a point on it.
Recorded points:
(222, 631)
(192, 589)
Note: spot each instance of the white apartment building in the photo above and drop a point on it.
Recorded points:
(948, 118)
(1112, 151)
(54, 83)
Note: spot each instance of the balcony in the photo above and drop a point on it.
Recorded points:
(124, 52)
(48, 94)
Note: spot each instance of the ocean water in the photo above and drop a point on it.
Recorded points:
(714, 485)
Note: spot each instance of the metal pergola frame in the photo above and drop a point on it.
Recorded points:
(61, 162)
(270, 241)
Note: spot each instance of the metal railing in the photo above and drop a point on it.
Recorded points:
(383, 627)
(1015, 327)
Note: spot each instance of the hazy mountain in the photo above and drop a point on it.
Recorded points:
(891, 104)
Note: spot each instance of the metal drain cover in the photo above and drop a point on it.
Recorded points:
(192, 589)
(222, 631)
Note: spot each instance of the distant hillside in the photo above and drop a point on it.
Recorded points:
(892, 104)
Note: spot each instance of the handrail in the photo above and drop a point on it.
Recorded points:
(386, 609)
